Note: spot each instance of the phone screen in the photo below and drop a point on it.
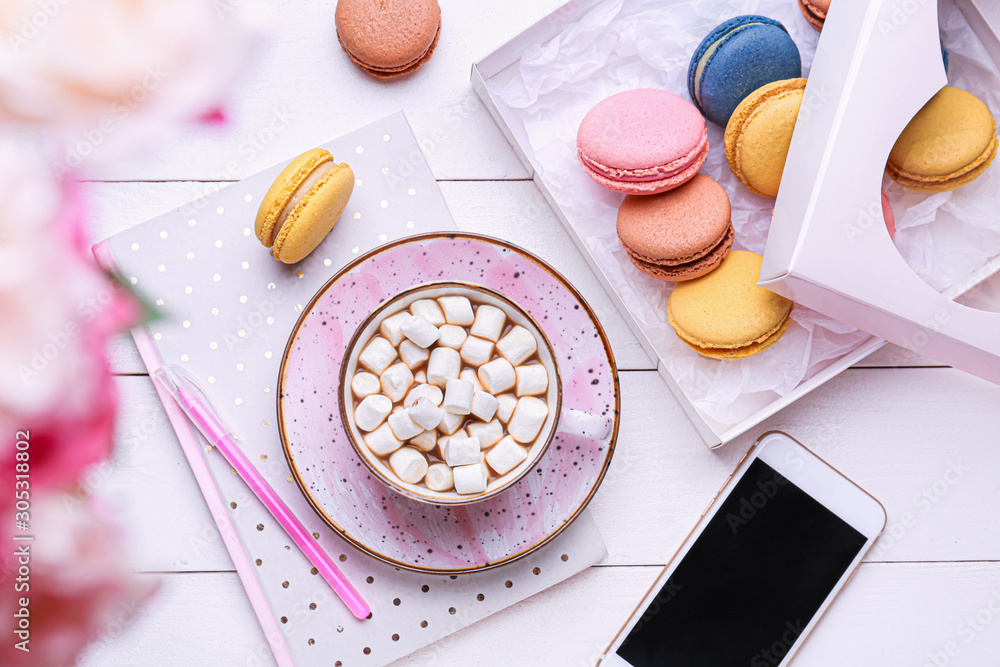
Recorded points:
(751, 581)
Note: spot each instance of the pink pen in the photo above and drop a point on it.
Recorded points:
(199, 409)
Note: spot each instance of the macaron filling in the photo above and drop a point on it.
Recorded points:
(303, 189)
(726, 238)
(742, 350)
(990, 149)
(669, 170)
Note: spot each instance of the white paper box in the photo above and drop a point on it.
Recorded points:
(812, 255)
(501, 66)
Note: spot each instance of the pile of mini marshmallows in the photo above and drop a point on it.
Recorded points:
(472, 409)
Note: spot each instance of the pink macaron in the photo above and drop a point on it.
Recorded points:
(890, 217)
(642, 142)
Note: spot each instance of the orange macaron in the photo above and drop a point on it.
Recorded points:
(680, 234)
(388, 38)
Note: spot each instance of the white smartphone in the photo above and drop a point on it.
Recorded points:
(783, 536)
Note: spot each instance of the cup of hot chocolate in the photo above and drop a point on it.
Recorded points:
(450, 393)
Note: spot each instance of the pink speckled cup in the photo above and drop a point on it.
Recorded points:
(559, 419)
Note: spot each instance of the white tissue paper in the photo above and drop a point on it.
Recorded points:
(627, 44)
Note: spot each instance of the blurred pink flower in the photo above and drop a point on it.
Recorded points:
(57, 310)
(81, 585)
(102, 76)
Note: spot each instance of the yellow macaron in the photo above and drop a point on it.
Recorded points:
(724, 314)
(759, 132)
(303, 204)
(949, 143)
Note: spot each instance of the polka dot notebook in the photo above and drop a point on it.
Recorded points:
(228, 310)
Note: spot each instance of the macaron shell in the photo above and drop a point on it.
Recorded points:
(390, 73)
(314, 216)
(388, 37)
(949, 183)
(815, 12)
(281, 191)
(759, 133)
(948, 143)
(676, 227)
(726, 310)
(735, 59)
(640, 129)
(690, 270)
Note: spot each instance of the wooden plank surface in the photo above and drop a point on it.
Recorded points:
(920, 437)
(900, 614)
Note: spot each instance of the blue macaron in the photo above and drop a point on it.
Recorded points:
(737, 58)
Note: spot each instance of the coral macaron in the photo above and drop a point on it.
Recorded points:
(815, 12)
(677, 235)
(388, 38)
(642, 142)
(303, 204)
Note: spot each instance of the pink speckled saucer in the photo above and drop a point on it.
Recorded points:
(404, 532)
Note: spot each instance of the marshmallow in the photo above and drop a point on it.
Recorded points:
(382, 441)
(412, 354)
(452, 336)
(461, 451)
(390, 327)
(377, 356)
(420, 331)
(517, 346)
(439, 477)
(488, 434)
(403, 426)
(484, 405)
(470, 375)
(372, 411)
(443, 441)
(450, 423)
(425, 413)
(420, 376)
(457, 310)
(409, 464)
(426, 441)
(506, 456)
(528, 417)
(507, 404)
(424, 391)
(470, 478)
(364, 384)
(429, 310)
(489, 322)
(497, 376)
(477, 351)
(532, 380)
(458, 397)
(444, 365)
(396, 381)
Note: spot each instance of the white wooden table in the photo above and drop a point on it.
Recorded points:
(897, 431)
